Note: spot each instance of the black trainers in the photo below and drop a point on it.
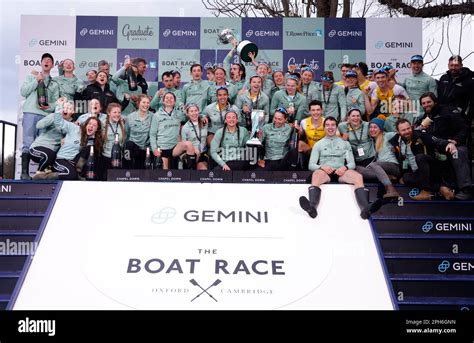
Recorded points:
(306, 205)
(463, 195)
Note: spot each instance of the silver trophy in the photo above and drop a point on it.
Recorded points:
(227, 36)
(258, 120)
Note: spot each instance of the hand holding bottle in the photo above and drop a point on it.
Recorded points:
(39, 76)
(291, 109)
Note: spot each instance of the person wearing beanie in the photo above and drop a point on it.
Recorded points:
(32, 111)
(379, 122)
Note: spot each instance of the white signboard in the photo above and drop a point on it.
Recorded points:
(203, 246)
(391, 41)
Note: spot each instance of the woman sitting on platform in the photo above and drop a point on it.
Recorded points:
(228, 147)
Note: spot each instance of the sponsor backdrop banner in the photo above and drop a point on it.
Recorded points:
(169, 43)
(392, 42)
(197, 252)
(172, 43)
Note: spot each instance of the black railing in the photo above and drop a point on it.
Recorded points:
(8, 133)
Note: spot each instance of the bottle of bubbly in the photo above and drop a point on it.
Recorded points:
(294, 145)
(116, 155)
(158, 161)
(148, 164)
(294, 137)
(132, 78)
(42, 93)
(90, 165)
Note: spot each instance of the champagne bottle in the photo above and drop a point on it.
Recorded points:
(294, 137)
(42, 93)
(116, 155)
(158, 161)
(90, 165)
(132, 78)
(148, 164)
(294, 144)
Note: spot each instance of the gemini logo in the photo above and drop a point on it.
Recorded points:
(427, 227)
(162, 216)
(444, 266)
(96, 32)
(379, 45)
(344, 33)
(166, 32)
(249, 33)
(414, 192)
(33, 42)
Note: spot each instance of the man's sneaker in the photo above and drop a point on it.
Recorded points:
(446, 192)
(424, 195)
(463, 195)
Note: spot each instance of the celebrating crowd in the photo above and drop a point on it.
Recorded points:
(366, 126)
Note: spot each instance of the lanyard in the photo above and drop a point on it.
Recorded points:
(112, 128)
(307, 89)
(220, 112)
(361, 133)
(252, 102)
(195, 131)
(324, 95)
(168, 113)
(400, 140)
(292, 99)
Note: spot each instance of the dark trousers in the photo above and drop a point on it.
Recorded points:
(461, 167)
(283, 164)
(429, 175)
(134, 156)
(43, 156)
(66, 169)
(237, 165)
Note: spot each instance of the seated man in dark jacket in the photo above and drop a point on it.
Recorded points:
(415, 151)
(450, 124)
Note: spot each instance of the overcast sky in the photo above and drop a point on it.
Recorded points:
(11, 10)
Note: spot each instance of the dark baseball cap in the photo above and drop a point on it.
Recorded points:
(418, 58)
(351, 73)
(45, 55)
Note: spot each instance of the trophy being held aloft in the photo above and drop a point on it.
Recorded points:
(227, 36)
(258, 120)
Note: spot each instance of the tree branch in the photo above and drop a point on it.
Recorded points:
(442, 10)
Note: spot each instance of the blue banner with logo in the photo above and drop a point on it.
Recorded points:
(175, 43)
